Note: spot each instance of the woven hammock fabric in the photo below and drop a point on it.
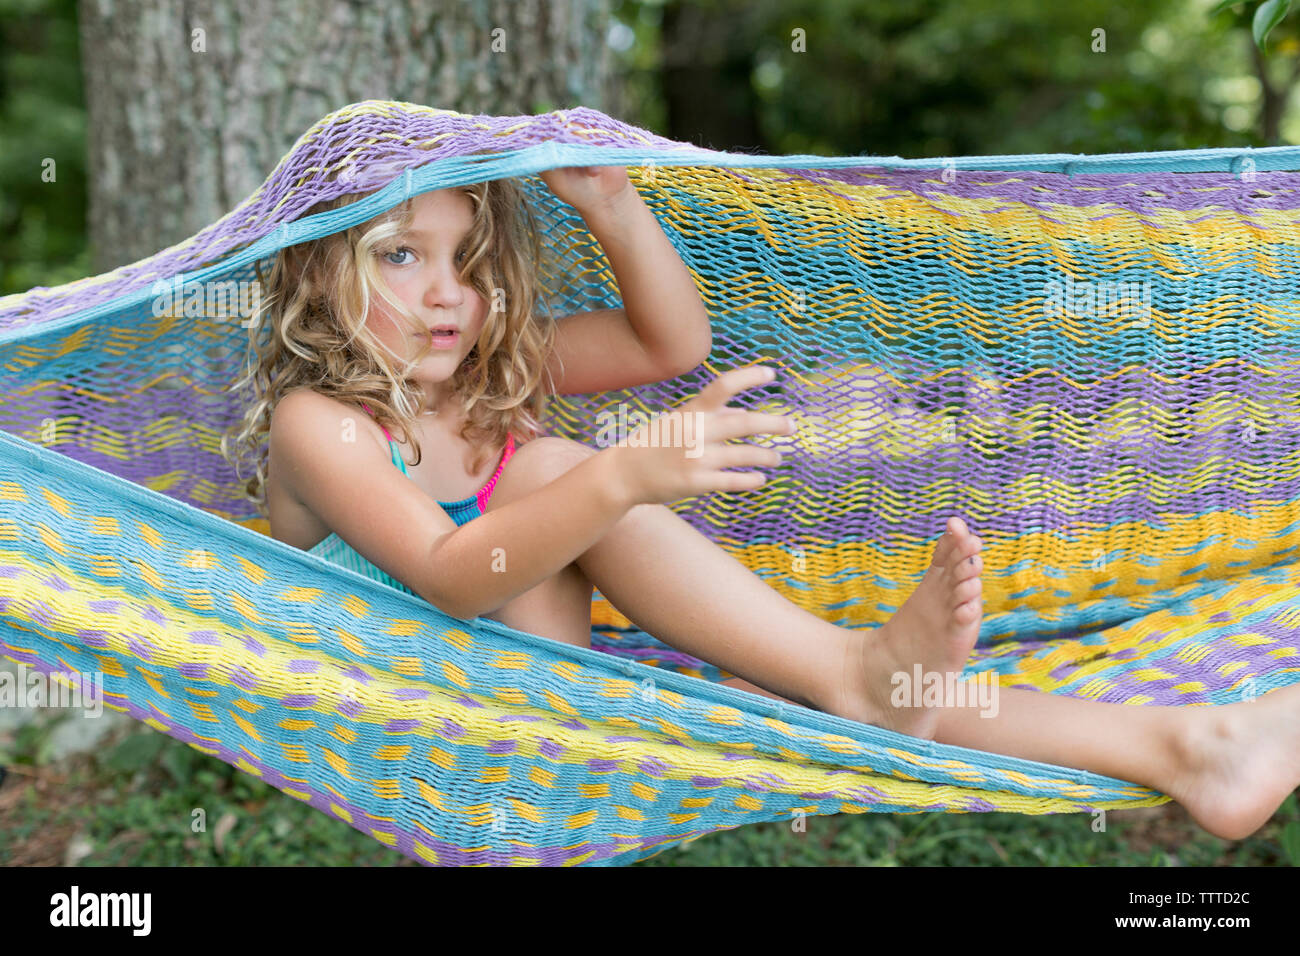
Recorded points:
(1094, 360)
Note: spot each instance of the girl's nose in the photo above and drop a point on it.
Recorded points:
(444, 288)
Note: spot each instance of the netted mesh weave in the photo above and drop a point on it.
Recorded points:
(1093, 360)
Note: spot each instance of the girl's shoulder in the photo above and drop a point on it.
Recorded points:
(306, 417)
(304, 402)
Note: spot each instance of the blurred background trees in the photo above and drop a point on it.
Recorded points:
(916, 78)
(190, 106)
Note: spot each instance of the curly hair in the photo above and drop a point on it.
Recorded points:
(312, 320)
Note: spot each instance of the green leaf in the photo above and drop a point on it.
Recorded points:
(1223, 5)
(179, 763)
(135, 753)
(1267, 16)
(1291, 843)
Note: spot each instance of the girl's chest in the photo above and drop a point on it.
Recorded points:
(445, 471)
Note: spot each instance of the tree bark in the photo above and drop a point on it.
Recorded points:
(183, 124)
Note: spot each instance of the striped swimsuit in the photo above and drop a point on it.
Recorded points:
(335, 549)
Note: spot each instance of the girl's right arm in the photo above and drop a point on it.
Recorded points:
(476, 568)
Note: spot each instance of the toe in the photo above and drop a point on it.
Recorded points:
(967, 590)
(957, 545)
(946, 548)
(965, 548)
(968, 613)
(970, 566)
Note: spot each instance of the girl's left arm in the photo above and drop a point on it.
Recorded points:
(663, 328)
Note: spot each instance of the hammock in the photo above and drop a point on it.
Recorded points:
(1094, 360)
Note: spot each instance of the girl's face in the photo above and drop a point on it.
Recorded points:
(424, 273)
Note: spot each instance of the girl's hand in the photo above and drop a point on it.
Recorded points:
(588, 187)
(661, 464)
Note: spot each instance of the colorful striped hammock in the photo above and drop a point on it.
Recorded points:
(1094, 360)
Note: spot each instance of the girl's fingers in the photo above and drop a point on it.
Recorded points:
(743, 456)
(736, 480)
(738, 423)
(730, 383)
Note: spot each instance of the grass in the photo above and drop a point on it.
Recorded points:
(137, 802)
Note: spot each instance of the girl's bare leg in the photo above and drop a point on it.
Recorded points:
(676, 584)
(561, 607)
(1229, 766)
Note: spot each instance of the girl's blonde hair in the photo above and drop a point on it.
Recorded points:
(315, 304)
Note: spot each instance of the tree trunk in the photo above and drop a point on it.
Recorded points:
(1272, 99)
(192, 104)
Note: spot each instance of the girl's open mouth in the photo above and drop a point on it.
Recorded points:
(445, 340)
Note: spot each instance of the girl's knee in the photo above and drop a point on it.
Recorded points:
(536, 463)
(553, 447)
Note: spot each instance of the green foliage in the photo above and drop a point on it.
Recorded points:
(151, 800)
(1291, 843)
(43, 129)
(30, 745)
(983, 839)
(137, 752)
(1267, 15)
(933, 78)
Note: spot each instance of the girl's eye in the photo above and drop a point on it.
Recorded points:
(461, 256)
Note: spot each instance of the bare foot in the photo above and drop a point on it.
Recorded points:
(936, 627)
(1237, 762)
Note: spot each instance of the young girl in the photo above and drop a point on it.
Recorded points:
(419, 331)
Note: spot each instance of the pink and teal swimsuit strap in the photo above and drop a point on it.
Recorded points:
(467, 508)
(335, 549)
